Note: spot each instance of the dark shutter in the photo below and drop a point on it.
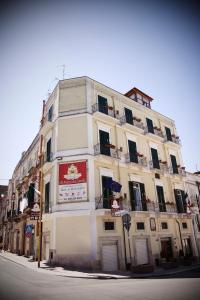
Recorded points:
(107, 193)
(168, 134)
(161, 198)
(179, 203)
(104, 142)
(143, 197)
(132, 198)
(183, 196)
(128, 115)
(30, 195)
(103, 105)
(50, 113)
(47, 196)
(174, 164)
(133, 151)
(150, 125)
(154, 155)
(49, 150)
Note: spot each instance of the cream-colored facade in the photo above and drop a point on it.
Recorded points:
(119, 137)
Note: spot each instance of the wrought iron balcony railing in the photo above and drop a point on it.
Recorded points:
(107, 110)
(141, 161)
(48, 157)
(174, 139)
(135, 123)
(157, 132)
(177, 171)
(108, 150)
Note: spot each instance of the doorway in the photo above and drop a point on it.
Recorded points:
(166, 249)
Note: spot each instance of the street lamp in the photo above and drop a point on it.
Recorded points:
(36, 210)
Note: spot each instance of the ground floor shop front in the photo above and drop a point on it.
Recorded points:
(99, 241)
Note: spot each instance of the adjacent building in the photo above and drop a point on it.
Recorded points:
(104, 155)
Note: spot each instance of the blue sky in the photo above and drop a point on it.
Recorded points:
(153, 45)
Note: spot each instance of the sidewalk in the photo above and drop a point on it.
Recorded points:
(60, 271)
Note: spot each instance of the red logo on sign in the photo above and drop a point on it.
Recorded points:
(72, 173)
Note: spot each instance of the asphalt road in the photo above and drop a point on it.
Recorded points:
(18, 282)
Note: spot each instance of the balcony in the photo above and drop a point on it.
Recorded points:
(177, 171)
(107, 150)
(170, 207)
(136, 122)
(107, 110)
(46, 124)
(174, 139)
(156, 132)
(159, 166)
(106, 203)
(48, 157)
(142, 161)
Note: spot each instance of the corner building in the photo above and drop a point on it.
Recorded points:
(90, 135)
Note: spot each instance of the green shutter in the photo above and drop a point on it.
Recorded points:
(150, 125)
(132, 198)
(47, 196)
(154, 155)
(132, 151)
(104, 140)
(106, 192)
(174, 164)
(161, 198)
(143, 196)
(168, 134)
(128, 115)
(103, 105)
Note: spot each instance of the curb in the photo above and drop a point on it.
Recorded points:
(57, 273)
(104, 276)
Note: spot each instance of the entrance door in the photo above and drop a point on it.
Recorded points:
(142, 252)
(109, 258)
(187, 247)
(166, 249)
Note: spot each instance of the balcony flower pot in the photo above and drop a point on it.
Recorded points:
(110, 146)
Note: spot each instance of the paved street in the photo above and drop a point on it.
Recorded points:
(19, 282)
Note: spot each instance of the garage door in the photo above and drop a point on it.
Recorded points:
(109, 258)
(141, 252)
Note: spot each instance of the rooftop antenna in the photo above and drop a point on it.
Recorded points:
(63, 71)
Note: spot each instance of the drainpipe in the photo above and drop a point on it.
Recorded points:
(119, 177)
(180, 234)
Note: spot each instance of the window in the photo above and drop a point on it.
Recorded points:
(132, 151)
(48, 154)
(198, 221)
(150, 125)
(50, 114)
(164, 225)
(140, 225)
(168, 134)
(128, 115)
(47, 197)
(161, 198)
(103, 104)
(174, 164)
(109, 225)
(104, 142)
(155, 161)
(184, 225)
(30, 195)
(137, 196)
(180, 201)
(107, 193)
